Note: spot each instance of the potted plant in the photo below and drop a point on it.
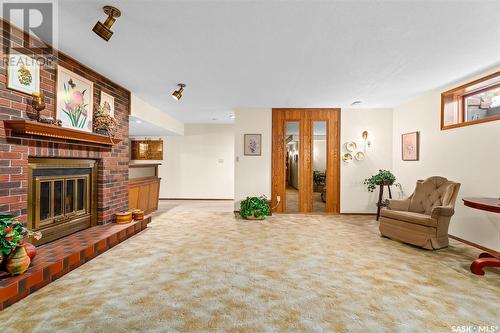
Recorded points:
(255, 208)
(318, 180)
(103, 122)
(13, 248)
(383, 177)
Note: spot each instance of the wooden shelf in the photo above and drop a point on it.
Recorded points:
(52, 131)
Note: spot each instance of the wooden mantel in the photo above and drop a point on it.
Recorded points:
(29, 127)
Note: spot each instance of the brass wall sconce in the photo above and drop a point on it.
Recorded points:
(368, 142)
(178, 93)
(103, 30)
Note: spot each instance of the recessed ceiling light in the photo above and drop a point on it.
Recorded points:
(232, 116)
(356, 103)
(178, 93)
(214, 119)
(138, 121)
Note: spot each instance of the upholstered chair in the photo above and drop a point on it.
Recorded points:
(423, 218)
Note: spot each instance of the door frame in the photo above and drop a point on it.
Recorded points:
(306, 116)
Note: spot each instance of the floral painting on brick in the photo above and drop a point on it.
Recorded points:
(74, 100)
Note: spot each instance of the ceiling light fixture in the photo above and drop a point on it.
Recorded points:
(232, 116)
(103, 30)
(178, 93)
(356, 103)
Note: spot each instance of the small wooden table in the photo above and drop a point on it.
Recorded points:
(485, 259)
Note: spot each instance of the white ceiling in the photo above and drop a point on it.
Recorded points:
(283, 53)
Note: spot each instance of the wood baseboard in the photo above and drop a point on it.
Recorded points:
(491, 251)
(368, 214)
(198, 199)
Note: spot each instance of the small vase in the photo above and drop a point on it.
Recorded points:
(18, 262)
(30, 250)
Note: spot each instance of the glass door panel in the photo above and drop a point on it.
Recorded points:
(292, 144)
(319, 157)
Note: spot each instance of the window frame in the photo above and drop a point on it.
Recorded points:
(455, 98)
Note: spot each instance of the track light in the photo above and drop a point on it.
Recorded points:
(103, 30)
(178, 93)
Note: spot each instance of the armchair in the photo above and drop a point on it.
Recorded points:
(423, 218)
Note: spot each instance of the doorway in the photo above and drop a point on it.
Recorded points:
(306, 160)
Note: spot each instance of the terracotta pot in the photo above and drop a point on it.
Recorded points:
(30, 250)
(18, 262)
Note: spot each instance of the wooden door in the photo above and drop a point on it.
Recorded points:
(306, 117)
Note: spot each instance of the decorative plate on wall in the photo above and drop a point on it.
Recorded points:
(351, 146)
(347, 157)
(359, 156)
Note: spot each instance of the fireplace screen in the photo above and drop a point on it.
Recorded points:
(61, 197)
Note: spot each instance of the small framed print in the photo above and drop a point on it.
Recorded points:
(410, 146)
(108, 103)
(23, 73)
(252, 144)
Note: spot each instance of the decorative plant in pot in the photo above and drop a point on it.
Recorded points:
(103, 122)
(255, 208)
(319, 180)
(383, 177)
(16, 253)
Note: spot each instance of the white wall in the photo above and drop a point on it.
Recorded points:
(469, 155)
(319, 154)
(354, 197)
(252, 174)
(198, 165)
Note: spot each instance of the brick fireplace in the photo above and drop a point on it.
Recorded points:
(16, 150)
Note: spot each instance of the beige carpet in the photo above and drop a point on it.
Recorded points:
(207, 272)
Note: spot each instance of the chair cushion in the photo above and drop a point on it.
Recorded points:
(409, 217)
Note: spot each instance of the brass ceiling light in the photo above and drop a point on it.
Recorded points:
(178, 93)
(103, 30)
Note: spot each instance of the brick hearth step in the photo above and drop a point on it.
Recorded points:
(55, 259)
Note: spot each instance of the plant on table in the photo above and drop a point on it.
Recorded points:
(254, 208)
(382, 177)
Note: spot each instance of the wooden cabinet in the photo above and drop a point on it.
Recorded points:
(143, 192)
(147, 149)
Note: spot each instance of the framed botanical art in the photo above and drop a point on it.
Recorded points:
(410, 146)
(74, 100)
(252, 144)
(108, 103)
(23, 73)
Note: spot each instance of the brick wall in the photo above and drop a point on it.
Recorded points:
(14, 152)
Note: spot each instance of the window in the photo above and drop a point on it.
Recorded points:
(473, 103)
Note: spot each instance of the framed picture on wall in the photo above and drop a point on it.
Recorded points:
(410, 146)
(252, 144)
(74, 100)
(108, 103)
(23, 73)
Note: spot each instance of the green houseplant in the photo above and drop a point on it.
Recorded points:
(383, 177)
(255, 208)
(318, 180)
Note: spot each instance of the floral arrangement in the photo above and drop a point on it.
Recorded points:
(74, 105)
(13, 233)
(103, 120)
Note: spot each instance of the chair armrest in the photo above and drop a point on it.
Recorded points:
(401, 205)
(442, 211)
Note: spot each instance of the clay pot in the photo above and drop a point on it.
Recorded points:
(18, 262)
(30, 250)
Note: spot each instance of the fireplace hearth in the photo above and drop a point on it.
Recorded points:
(62, 196)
